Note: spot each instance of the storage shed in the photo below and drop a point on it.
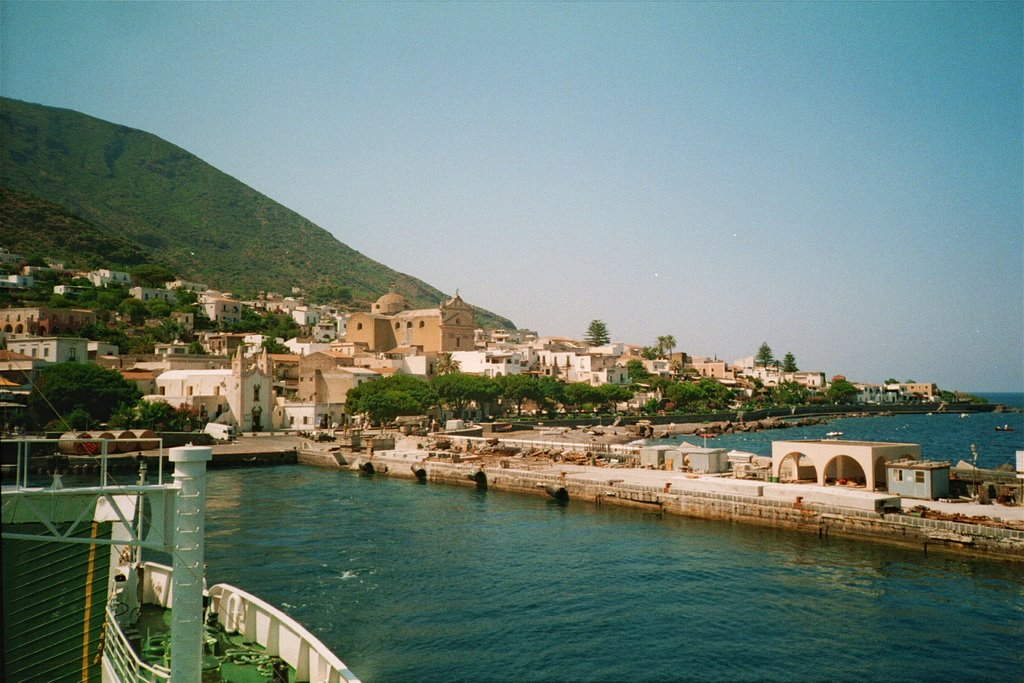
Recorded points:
(705, 460)
(918, 479)
(659, 457)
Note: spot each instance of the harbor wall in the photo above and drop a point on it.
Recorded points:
(751, 507)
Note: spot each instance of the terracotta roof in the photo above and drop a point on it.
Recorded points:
(284, 357)
(7, 354)
(137, 374)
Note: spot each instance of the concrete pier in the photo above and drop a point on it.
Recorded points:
(823, 510)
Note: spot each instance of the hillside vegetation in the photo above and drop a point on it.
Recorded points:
(198, 221)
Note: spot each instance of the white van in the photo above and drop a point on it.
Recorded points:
(219, 431)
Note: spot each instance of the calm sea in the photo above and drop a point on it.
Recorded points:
(407, 582)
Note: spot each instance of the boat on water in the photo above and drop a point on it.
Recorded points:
(80, 601)
(833, 435)
(1004, 428)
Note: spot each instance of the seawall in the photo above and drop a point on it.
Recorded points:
(771, 505)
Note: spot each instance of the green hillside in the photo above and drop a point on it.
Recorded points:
(182, 212)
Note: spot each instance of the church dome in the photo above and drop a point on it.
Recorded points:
(391, 303)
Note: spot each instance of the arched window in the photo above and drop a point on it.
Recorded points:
(359, 326)
(408, 325)
(398, 325)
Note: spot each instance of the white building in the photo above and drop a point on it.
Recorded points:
(52, 349)
(221, 310)
(240, 396)
(187, 286)
(105, 277)
(150, 294)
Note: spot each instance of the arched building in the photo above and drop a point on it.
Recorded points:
(830, 462)
(391, 324)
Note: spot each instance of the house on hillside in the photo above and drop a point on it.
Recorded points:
(104, 277)
(44, 321)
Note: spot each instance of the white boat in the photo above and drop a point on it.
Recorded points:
(80, 602)
(833, 435)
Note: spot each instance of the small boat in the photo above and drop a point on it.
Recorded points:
(1004, 428)
(964, 415)
(833, 435)
(706, 435)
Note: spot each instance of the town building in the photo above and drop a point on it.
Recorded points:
(51, 349)
(151, 294)
(44, 321)
(392, 323)
(104, 277)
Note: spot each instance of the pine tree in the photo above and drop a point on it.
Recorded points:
(597, 333)
(764, 355)
(789, 363)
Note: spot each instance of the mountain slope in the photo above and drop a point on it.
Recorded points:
(202, 223)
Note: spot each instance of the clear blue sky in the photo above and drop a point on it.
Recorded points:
(841, 180)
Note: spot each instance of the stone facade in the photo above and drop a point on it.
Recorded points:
(391, 324)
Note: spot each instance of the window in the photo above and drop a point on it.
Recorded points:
(422, 324)
(458, 342)
(359, 326)
(397, 325)
(899, 475)
(919, 477)
(46, 352)
(256, 392)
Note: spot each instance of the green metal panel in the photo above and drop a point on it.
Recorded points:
(54, 600)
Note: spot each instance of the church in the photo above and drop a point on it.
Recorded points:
(392, 324)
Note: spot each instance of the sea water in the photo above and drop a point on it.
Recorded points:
(409, 582)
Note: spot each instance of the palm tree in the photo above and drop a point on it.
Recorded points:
(446, 365)
(665, 344)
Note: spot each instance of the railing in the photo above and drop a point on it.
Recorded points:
(101, 450)
(121, 658)
(264, 624)
(578, 446)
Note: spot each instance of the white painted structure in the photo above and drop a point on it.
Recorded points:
(862, 462)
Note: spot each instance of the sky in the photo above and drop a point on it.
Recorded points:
(840, 180)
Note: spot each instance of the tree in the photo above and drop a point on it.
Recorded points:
(764, 355)
(158, 309)
(637, 370)
(446, 364)
(613, 394)
(597, 333)
(387, 398)
(790, 394)
(151, 275)
(665, 344)
(133, 309)
(649, 353)
(64, 387)
(841, 391)
(458, 390)
(789, 363)
(579, 393)
(518, 389)
(702, 396)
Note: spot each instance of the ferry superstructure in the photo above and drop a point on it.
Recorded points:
(80, 603)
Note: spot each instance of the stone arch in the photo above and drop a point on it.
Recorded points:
(796, 466)
(8, 328)
(844, 467)
(19, 329)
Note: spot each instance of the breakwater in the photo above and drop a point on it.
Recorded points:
(824, 511)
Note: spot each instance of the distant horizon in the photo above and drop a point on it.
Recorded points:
(840, 180)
